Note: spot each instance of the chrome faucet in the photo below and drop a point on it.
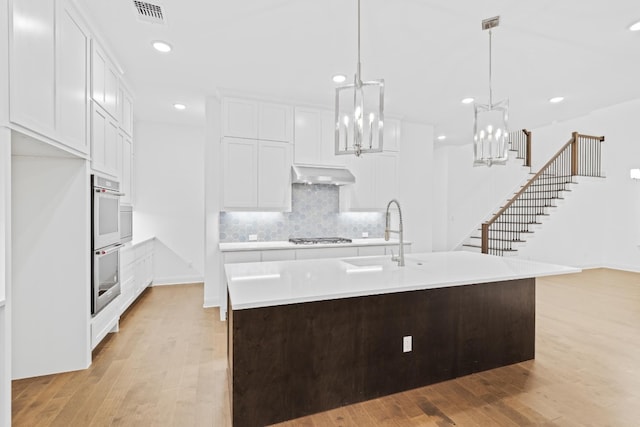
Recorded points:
(387, 231)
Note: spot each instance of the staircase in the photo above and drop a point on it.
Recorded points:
(517, 218)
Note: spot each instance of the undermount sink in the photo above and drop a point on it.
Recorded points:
(370, 262)
(382, 262)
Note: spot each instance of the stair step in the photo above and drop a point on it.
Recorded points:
(537, 198)
(556, 190)
(552, 184)
(500, 240)
(469, 245)
(529, 207)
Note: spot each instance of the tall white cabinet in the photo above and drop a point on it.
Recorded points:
(257, 154)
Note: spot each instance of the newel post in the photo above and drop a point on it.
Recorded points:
(485, 238)
(574, 153)
(527, 160)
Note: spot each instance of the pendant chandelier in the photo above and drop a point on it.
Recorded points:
(359, 117)
(490, 132)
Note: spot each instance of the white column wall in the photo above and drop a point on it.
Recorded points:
(416, 185)
(213, 273)
(169, 198)
(5, 277)
(50, 292)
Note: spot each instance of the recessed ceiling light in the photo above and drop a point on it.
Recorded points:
(179, 106)
(467, 100)
(442, 137)
(339, 78)
(161, 46)
(556, 99)
(635, 27)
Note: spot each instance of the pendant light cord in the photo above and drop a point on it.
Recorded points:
(358, 76)
(490, 89)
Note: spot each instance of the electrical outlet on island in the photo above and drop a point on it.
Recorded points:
(253, 237)
(407, 344)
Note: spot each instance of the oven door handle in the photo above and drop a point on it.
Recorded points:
(109, 192)
(110, 250)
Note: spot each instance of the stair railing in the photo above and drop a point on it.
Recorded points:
(580, 156)
(521, 143)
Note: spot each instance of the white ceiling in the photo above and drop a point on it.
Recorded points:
(431, 53)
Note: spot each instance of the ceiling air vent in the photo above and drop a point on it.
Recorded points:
(149, 12)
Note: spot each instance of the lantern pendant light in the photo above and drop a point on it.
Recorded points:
(359, 115)
(490, 131)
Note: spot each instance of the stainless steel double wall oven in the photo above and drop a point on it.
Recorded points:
(105, 242)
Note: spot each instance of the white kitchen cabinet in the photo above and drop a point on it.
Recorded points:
(392, 135)
(256, 175)
(315, 138)
(137, 271)
(72, 79)
(278, 255)
(104, 79)
(125, 110)
(371, 250)
(245, 118)
(125, 165)
(32, 65)
(106, 321)
(240, 118)
(376, 182)
(239, 173)
(104, 142)
(274, 175)
(275, 122)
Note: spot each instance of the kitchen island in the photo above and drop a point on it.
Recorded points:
(308, 336)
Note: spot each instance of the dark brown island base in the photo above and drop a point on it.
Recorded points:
(287, 361)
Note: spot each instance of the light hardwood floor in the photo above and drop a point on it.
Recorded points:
(167, 367)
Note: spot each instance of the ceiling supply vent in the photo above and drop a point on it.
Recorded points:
(149, 12)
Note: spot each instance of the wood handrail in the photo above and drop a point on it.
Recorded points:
(600, 138)
(524, 187)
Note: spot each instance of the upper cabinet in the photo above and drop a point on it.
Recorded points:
(104, 142)
(391, 141)
(125, 110)
(244, 118)
(104, 80)
(314, 138)
(72, 103)
(256, 175)
(376, 182)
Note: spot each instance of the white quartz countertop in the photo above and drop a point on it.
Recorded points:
(282, 244)
(264, 284)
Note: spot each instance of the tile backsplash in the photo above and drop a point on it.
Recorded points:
(314, 213)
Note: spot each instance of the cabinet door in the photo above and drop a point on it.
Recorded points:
(274, 175)
(386, 178)
(317, 253)
(32, 65)
(72, 80)
(279, 255)
(104, 142)
(275, 122)
(239, 118)
(126, 174)
(371, 250)
(391, 135)
(240, 178)
(308, 136)
(127, 114)
(362, 194)
(104, 80)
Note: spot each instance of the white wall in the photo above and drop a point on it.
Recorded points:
(50, 292)
(440, 185)
(608, 210)
(598, 222)
(416, 190)
(169, 198)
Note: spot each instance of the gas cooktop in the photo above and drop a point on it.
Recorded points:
(317, 240)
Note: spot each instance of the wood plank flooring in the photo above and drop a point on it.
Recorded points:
(167, 367)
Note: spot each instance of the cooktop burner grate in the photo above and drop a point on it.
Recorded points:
(317, 240)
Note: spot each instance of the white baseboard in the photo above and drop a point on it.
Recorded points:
(162, 281)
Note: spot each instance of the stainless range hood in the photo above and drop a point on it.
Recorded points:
(302, 174)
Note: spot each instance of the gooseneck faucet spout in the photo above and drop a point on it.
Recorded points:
(399, 231)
